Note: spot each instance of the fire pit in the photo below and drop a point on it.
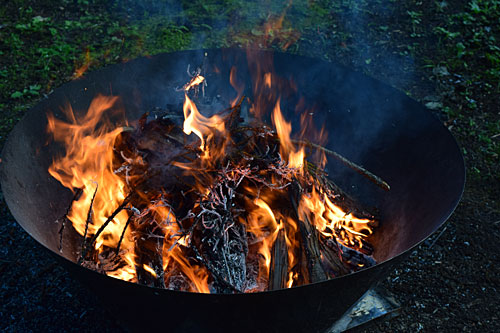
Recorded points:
(371, 124)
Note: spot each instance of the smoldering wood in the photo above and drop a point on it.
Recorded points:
(310, 244)
(314, 264)
(148, 251)
(365, 248)
(278, 269)
(149, 154)
(216, 274)
(223, 241)
(224, 247)
(355, 258)
(175, 279)
(331, 258)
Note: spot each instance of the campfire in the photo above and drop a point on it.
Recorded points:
(367, 121)
(210, 199)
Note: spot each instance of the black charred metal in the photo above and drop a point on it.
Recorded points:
(368, 122)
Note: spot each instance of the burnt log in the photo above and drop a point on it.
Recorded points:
(279, 263)
(312, 252)
(331, 259)
(355, 259)
(310, 258)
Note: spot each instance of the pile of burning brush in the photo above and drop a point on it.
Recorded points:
(239, 207)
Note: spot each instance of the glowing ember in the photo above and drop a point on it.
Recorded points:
(239, 207)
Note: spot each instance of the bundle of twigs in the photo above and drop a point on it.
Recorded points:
(209, 206)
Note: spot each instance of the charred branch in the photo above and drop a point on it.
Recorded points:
(90, 244)
(148, 250)
(279, 263)
(354, 258)
(359, 169)
(89, 216)
(75, 197)
(123, 233)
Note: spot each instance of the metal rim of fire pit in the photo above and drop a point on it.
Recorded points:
(382, 129)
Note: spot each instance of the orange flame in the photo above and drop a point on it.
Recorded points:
(267, 80)
(149, 270)
(287, 149)
(85, 66)
(292, 243)
(127, 272)
(202, 127)
(171, 252)
(87, 165)
(327, 217)
(263, 225)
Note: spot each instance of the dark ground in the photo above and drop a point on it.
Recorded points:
(444, 54)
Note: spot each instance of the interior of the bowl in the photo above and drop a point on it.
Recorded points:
(368, 122)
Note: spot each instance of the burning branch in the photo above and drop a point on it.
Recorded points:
(359, 169)
(76, 196)
(90, 244)
(89, 216)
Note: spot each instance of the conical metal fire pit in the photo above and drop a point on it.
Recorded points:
(369, 122)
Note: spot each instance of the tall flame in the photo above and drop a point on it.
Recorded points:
(287, 149)
(201, 126)
(88, 165)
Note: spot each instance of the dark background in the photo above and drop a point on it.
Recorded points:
(445, 54)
